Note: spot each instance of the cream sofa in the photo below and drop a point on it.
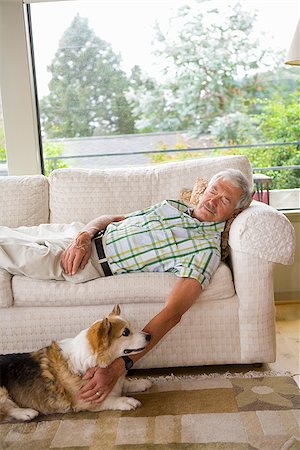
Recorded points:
(233, 319)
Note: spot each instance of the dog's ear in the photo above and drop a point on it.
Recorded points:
(116, 311)
(104, 327)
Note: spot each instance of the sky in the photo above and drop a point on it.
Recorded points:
(128, 26)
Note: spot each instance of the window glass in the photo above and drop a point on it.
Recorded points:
(122, 77)
(3, 163)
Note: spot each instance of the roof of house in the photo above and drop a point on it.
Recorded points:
(118, 149)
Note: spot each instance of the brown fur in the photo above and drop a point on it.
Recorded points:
(55, 390)
(48, 384)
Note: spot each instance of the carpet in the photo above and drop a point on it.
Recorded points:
(205, 413)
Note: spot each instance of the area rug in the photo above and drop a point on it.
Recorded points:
(209, 413)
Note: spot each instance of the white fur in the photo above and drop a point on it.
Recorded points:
(79, 354)
(77, 351)
(130, 386)
(23, 414)
(116, 402)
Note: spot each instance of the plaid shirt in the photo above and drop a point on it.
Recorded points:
(164, 238)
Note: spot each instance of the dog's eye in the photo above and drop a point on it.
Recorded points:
(126, 332)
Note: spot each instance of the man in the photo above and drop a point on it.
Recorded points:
(227, 192)
(166, 237)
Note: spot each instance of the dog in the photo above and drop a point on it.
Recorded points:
(48, 381)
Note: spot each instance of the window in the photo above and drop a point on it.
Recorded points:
(122, 77)
(3, 165)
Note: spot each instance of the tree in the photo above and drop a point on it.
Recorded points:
(278, 122)
(50, 150)
(2, 145)
(146, 97)
(87, 87)
(205, 56)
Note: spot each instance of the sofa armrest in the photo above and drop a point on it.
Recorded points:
(6, 296)
(263, 231)
(253, 282)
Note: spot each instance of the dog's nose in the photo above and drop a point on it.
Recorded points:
(148, 337)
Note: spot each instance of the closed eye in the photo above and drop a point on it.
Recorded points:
(225, 200)
(126, 332)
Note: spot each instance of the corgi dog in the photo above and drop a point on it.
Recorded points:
(48, 381)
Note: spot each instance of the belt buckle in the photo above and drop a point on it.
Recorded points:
(99, 234)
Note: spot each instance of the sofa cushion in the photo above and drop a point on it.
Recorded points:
(81, 195)
(6, 298)
(23, 200)
(127, 288)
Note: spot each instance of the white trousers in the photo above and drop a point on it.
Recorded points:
(35, 252)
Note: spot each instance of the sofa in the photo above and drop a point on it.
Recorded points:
(232, 322)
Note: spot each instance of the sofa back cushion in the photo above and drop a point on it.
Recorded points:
(23, 200)
(81, 195)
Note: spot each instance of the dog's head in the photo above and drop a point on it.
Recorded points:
(113, 337)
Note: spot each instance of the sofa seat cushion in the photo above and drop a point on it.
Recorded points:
(6, 298)
(133, 288)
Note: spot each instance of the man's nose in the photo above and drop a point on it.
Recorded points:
(215, 198)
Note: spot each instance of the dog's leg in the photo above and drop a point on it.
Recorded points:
(10, 410)
(114, 401)
(117, 403)
(23, 414)
(136, 385)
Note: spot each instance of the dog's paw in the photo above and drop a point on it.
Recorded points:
(141, 385)
(136, 385)
(128, 403)
(24, 414)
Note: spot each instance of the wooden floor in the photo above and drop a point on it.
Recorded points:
(288, 339)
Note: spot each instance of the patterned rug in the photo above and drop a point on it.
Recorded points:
(177, 413)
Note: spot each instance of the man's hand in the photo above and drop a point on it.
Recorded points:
(77, 253)
(101, 381)
(182, 297)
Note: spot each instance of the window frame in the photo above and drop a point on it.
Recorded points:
(18, 90)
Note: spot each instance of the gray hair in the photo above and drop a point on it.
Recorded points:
(237, 178)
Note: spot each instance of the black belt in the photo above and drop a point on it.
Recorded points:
(101, 255)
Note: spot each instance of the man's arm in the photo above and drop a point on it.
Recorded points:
(79, 251)
(181, 298)
(100, 223)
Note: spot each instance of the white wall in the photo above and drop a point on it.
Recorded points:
(287, 278)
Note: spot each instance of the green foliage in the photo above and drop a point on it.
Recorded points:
(2, 145)
(203, 55)
(235, 128)
(172, 157)
(278, 123)
(280, 117)
(2, 154)
(145, 97)
(87, 88)
(51, 149)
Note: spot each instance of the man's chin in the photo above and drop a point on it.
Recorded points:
(205, 217)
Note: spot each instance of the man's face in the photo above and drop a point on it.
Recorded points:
(218, 202)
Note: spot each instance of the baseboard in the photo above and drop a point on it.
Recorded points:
(288, 297)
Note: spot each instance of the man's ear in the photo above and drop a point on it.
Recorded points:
(116, 311)
(237, 211)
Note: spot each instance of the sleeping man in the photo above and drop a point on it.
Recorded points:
(167, 237)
